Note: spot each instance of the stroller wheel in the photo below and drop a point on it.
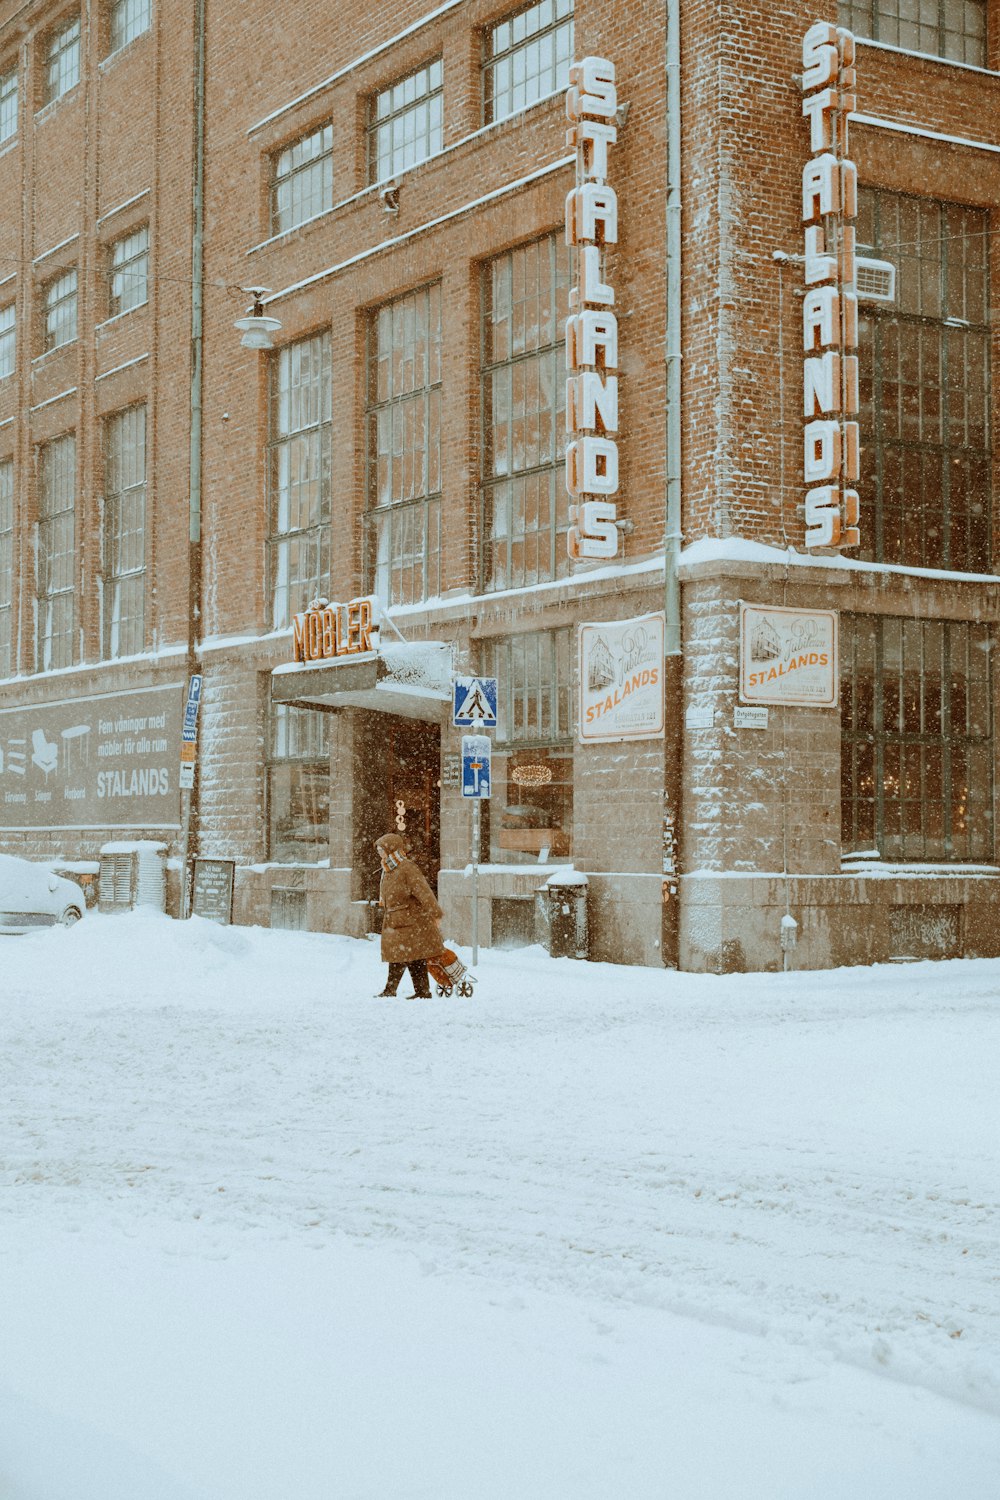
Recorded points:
(441, 990)
(465, 988)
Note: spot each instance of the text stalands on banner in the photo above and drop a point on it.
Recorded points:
(788, 656)
(621, 679)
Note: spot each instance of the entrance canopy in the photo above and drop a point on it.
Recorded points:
(412, 679)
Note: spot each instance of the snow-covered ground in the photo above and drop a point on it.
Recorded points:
(596, 1232)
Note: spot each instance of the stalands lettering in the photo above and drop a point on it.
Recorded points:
(592, 328)
(831, 457)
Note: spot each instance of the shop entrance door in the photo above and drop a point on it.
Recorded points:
(413, 790)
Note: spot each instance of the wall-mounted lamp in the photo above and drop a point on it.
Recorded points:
(257, 327)
(389, 196)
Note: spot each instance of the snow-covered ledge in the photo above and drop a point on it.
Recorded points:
(739, 557)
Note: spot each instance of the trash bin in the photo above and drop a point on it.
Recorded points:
(561, 908)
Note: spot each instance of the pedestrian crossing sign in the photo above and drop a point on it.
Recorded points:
(475, 703)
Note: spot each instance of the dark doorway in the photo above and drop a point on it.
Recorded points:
(399, 789)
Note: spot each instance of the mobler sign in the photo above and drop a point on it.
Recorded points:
(326, 630)
(104, 761)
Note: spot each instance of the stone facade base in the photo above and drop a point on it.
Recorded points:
(733, 923)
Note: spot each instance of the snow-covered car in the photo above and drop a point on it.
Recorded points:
(31, 896)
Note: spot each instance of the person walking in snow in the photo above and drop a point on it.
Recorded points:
(410, 931)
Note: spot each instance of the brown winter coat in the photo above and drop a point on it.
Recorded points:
(410, 925)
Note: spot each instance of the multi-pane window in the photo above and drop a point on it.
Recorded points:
(302, 180)
(127, 20)
(60, 311)
(955, 29)
(298, 785)
(129, 272)
(404, 124)
(925, 385)
(526, 56)
(8, 105)
(917, 754)
(299, 476)
(531, 813)
(124, 532)
(62, 61)
(6, 564)
(525, 512)
(56, 554)
(8, 341)
(403, 524)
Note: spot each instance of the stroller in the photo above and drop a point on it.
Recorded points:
(449, 973)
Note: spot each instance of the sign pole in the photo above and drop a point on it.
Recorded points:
(475, 881)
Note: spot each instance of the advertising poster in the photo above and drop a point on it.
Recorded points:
(788, 656)
(621, 680)
(108, 761)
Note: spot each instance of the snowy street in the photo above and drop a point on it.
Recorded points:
(595, 1232)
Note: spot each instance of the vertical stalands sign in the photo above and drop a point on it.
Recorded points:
(830, 308)
(592, 327)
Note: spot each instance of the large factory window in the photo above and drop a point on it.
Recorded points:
(531, 809)
(955, 29)
(8, 105)
(127, 20)
(62, 61)
(925, 385)
(917, 755)
(525, 507)
(298, 785)
(404, 122)
(299, 477)
(526, 56)
(125, 532)
(54, 640)
(302, 180)
(403, 521)
(6, 564)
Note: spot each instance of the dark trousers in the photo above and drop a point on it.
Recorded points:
(418, 973)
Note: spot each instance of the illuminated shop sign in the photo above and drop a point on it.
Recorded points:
(592, 328)
(327, 630)
(830, 308)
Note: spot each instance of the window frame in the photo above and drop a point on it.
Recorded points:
(51, 323)
(122, 272)
(9, 90)
(890, 754)
(298, 767)
(491, 56)
(403, 535)
(53, 508)
(313, 440)
(121, 23)
(124, 634)
(376, 123)
(292, 178)
(54, 85)
(889, 443)
(8, 341)
(872, 14)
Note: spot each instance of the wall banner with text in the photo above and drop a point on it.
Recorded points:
(621, 680)
(788, 656)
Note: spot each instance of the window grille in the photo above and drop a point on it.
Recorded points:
(403, 522)
(298, 776)
(405, 123)
(302, 180)
(917, 754)
(524, 502)
(114, 884)
(56, 554)
(124, 532)
(6, 565)
(62, 61)
(8, 341)
(60, 310)
(299, 476)
(129, 277)
(926, 449)
(526, 56)
(8, 105)
(128, 19)
(955, 29)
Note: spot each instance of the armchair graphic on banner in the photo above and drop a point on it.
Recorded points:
(788, 656)
(621, 680)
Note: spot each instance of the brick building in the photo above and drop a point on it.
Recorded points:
(170, 500)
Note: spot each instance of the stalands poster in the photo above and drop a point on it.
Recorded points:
(788, 656)
(621, 679)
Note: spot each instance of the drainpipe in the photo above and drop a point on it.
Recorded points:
(195, 423)
(673, 683)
